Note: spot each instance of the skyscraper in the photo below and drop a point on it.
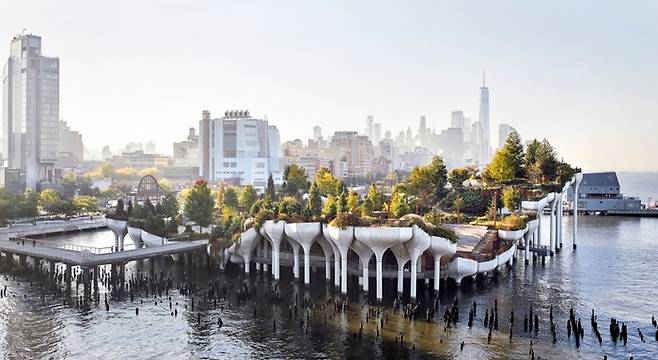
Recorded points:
(317, 133)
(484, 123)
(370, 126)
(30, 110)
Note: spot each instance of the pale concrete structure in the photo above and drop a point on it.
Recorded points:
(120, 229)
(304, 234)
(379, 240)
(365, 253)
(274, 230)
(343, 239)
(419, 242)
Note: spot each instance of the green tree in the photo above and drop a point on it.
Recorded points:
(327, 183)
(231, 198)
(399, 206)
(547, 163)
(170, 206)
(314, 201)
(199, 204)
(329, 209)
(248, 197)
(353, 202)
(427, 183)
(85, 204)
(27, 204)
(516, 155)
(295, 178)
(341, 204)
(49, 200)
(376, 198)
(511, 198)
(501, 168)
(270, 190)
(367, 207)
(456, 178)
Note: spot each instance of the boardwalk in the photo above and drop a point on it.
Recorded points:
(86, 259)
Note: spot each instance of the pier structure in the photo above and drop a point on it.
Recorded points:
(417, 254)
(88, 258)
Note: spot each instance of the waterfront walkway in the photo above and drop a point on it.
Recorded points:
(87, 259)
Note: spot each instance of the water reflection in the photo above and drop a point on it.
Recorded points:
(613, 271)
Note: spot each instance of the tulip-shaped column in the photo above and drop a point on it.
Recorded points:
(120, 229)
(248, 241)
(325, 233)
(327, 250)
(136, 236)
(420, 241)
(365, 253)
(532, 228)
(295, 256)
(553, 206)
(440, 247)
(274, 231)
(402, 257)
(379, 240)
(343, 239)
(304, 234)
(576, 185)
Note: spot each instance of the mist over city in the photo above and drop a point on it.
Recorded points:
(411, 180)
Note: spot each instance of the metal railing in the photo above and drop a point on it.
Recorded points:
(71, 247)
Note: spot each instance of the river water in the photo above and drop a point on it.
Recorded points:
(612, 271)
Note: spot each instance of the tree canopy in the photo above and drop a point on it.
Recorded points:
(199, 204)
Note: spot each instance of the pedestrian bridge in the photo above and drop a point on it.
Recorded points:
(88, 257)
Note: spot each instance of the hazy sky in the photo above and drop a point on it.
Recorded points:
(582, 74)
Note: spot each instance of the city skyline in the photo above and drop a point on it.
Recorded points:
(541, 88)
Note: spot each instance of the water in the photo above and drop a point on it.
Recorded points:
(613, 271)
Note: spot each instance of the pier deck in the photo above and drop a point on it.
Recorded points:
(87, 259)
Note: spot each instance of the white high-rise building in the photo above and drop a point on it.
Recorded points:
(30, 110)
(504, 130)
(370, 128)
(483, 118)
(241, 149)
(317, 133)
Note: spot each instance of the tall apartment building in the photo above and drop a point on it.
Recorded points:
(239, 149)
(70, 149)
(30, 110)
(352, 154)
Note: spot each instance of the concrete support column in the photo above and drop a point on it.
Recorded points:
(526, 251)
(275, 262)
(343, 271)
(380, 281)
(327, 268)
(295, 266)
(539, 229)
(553, 222)
(337, 269)
(437, 273)
(365, 275)
(559, 223)
(265, 252)
(307, 266)
(400, 278)
(259, 253)
(414, 277)
(575, 212)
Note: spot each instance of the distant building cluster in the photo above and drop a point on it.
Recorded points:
(235, 148)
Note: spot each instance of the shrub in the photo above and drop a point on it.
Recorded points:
(434, 230)
(344, 220)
